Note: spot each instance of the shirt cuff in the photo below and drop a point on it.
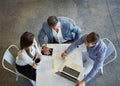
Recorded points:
(87, 78)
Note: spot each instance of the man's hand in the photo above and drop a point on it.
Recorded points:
(64, 54)
(81, 83)
(46, 50)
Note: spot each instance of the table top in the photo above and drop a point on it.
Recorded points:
(46, 71)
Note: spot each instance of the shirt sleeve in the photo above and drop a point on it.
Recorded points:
(41, 35)
(75, 29)
(97, 65)
(94, 70)
(75, 44)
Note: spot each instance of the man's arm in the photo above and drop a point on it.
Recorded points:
(41, 35)
(75, 44)
(97, 65)
(75, 29)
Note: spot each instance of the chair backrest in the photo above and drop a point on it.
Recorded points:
(110, 49)
(8, 57)
(66, 18)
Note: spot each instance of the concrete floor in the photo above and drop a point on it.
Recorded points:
(102, 16)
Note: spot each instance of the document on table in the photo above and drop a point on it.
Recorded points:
(49, 78)
(45, 65)
(49, 63)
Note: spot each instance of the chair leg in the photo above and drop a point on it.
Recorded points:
(33, 82)
(101, 70)
(17, 77)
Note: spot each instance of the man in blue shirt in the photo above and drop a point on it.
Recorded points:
(96, 50)
(58, 30)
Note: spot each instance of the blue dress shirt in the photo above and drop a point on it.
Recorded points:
(96, 53)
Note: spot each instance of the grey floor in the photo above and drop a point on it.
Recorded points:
(102, 16)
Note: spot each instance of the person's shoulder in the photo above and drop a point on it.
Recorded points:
(64, 21)
(84, 36)
(102, 43)
(45, 23)
(23, 52)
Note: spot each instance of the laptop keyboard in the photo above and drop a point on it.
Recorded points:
(71, 71)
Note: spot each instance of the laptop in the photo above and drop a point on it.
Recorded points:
(71, 71)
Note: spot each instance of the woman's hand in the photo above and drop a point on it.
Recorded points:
(34, 65)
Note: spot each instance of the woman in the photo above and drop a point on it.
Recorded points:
(28, 52)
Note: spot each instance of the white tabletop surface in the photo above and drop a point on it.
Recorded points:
(46, 71)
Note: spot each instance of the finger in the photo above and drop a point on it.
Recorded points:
(63, 56)
(47, 48)
(77, 84)
(47, 53)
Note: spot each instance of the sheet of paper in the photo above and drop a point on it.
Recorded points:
(52, 79)
(45, 64)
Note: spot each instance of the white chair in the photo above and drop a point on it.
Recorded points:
(9, 58)
(110, 50)
(110, 56)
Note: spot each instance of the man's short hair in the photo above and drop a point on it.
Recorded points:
(92, 38)
(52, 21)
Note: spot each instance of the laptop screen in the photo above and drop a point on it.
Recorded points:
(71, 71)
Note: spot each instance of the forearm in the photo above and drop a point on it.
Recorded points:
(97, 65)
(74, 45)
(41, 40)
(71, 47)
(41, 36)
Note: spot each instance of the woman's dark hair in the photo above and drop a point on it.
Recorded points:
(26, 40)
(52, 21)
(92, 38)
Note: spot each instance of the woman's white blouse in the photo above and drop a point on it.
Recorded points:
(24, 58)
